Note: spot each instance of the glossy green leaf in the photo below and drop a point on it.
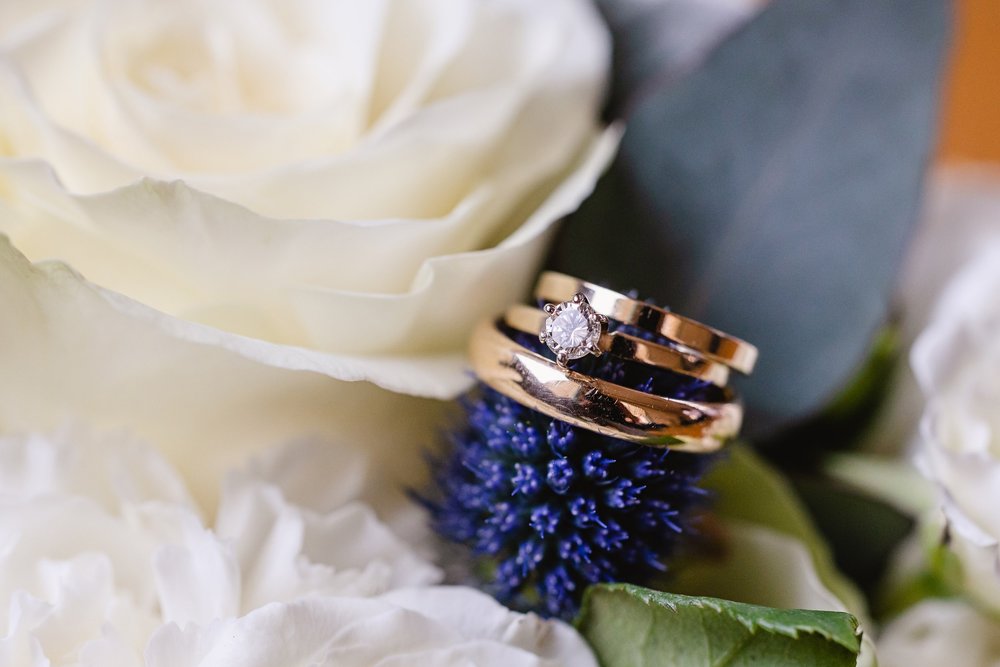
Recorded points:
(630, 626)
(771, 191)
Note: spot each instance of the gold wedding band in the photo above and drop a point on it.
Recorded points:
(630, 348)
(599, 405)
(699, 338)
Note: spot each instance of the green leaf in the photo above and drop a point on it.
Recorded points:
(630, 626)
(862, 531)
(771, 191)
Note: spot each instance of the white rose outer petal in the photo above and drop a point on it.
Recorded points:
(205, 260)
(67, 351)
(196, 291)
(957, 363)
(390, 245)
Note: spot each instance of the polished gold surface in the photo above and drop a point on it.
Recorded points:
(704, 340)
(532, 320)
(598, 405)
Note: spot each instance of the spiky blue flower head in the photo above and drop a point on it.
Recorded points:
(546, 508)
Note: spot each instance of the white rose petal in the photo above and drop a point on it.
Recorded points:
(940, 632)
(358, 179)
(961, 215)
(70, 349)
(209, 261)
(957, 362)
(409, 89)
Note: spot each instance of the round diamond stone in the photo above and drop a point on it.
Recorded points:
(570, 329)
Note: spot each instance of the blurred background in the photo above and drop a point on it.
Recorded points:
(971, 128)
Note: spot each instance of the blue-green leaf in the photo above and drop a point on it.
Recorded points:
(771, 191)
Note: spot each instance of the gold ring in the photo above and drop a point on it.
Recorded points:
(704, 340)
(599, 405)
(630, 348)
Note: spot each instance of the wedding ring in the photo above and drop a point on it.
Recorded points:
(630, 348)
(704, 340)
(598, 405)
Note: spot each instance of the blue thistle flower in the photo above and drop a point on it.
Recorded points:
(545, 508)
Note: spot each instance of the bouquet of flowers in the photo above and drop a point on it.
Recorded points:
(281, 382)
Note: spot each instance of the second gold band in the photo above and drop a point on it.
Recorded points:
(599, 405)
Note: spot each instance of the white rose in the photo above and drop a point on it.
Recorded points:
(940, 632)
(105, 561)
(362, 178)
(962, 212)
(336, 190)
(957, 363)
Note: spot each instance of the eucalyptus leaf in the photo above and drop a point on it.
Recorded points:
(631, 626)
(665, 39)
(770, 192)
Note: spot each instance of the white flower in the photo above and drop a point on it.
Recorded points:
(323, 187)
(105, 561)
(957, 363)
(940, 632)
(962, 212)
(361, 178)
(438, 626)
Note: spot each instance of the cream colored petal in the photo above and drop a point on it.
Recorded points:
(195, 81)
(26, 133)
(412, 60)
(940, 632)
(465, 117)
(69, 348)
(20, 20)
(202, 258)
(174, 89)
(483, 282)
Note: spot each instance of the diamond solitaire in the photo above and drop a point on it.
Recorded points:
(572, 329)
